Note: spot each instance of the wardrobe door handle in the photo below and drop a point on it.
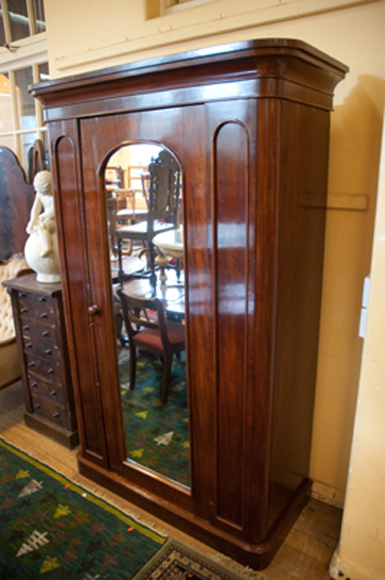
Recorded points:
(93, 310)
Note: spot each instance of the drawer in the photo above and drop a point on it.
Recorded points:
(54, 413)
(46, 369)
(36, 308)
(39, 330)
(42, 349)
(51, 391)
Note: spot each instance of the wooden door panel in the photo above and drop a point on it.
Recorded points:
(65, 153)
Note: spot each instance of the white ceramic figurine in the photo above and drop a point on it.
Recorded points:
(41, 249)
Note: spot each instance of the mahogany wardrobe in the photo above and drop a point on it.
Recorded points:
(248, 124)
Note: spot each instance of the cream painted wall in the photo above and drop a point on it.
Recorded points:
(360, 555)
(88, 35)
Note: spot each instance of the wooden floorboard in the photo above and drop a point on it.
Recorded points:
(305, 554)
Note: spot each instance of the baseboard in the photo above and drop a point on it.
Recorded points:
(327, 494)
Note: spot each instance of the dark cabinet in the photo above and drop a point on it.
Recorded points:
(43, 352)
(249, 124)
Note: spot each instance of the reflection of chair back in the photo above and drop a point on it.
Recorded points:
(149, 330)
(111, 222)
(145, 179)
(164, 189)
(163, 201)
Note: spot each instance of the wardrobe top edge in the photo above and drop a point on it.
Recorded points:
(231, 51)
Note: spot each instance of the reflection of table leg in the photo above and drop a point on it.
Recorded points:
(120, 261)
(162, 262)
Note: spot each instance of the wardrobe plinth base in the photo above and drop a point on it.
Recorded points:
(255, 555)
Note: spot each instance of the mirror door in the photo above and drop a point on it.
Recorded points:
(144, 195)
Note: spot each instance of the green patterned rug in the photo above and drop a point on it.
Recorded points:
(157, 435)
(52, 529)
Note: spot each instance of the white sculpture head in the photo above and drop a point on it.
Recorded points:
(43, 182)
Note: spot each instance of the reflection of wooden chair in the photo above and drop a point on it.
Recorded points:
(162, 211)
(111, 217)
(130, 212)
(158, 335)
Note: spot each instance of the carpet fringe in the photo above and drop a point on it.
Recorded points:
(241, 571)
(116, 504)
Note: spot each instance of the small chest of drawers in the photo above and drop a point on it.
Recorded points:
(42, 344)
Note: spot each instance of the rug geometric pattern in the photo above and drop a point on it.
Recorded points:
(176, 561)
(52, 529)
(157, 435)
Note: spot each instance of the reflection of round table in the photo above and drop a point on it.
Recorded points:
(170, 243)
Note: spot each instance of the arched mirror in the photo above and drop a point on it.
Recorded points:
(143, 187)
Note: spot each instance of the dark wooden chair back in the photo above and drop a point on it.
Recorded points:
(142, 313)
(16, 198)
(148, 329)
(164, 188)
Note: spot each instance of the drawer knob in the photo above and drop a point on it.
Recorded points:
(50, 371)
(93, 310)
(48, 351)
(34, 385)
(25, 327)
(44, 315)
(53, 393)
(55, 415)
(31, 364)
(42, 299)
(37, 406)
(45, 333)
(23, 310)
(28, 345)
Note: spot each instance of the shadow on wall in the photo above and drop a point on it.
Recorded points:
(355, 145)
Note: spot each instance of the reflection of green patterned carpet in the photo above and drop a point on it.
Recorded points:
(157, 435)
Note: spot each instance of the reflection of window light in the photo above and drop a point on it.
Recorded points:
(231, 235)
